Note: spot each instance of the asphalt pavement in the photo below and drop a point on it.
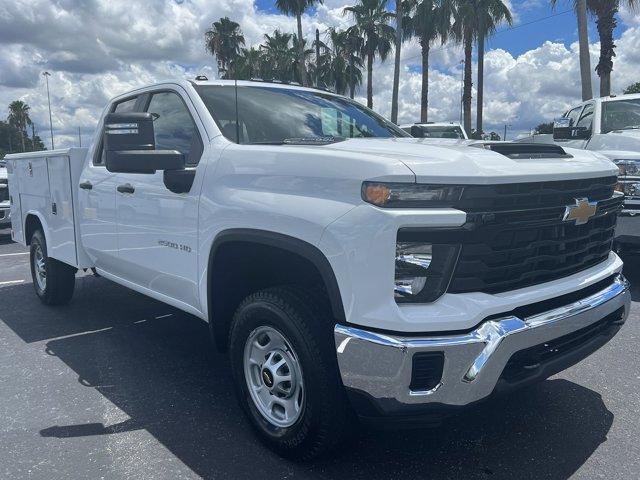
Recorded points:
(119, 386)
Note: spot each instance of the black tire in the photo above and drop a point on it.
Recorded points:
(304, 319)
(60, 277)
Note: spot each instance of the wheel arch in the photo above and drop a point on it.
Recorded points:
(300, 253)
(32, 221)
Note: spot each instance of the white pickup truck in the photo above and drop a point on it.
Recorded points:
(610, 126)
(345, 266)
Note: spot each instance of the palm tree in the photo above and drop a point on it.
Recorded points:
(297, 8)
(294, 53)
(396, 66)
(224, 40)
(490, 14)
(247, 65)
(372, 23)
(475, 20)
(428, 21)
(605, 12)
(19, 119)
(339, 68)
(277, 56)
(580, 7)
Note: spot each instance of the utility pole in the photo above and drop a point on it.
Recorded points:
(505, 132)
(79, 138)
(317, 58)
(480, 96)
(46, 77)
(351, 85)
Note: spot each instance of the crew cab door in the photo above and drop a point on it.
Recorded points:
(157, 227)
(97, 201)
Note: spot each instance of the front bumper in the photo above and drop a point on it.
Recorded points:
(378, 366)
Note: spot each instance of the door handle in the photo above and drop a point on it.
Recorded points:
(126, 188)
(86, 185)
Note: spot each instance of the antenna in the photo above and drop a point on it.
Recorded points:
(237, 117)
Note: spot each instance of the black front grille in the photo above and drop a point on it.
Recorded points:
(516, 236)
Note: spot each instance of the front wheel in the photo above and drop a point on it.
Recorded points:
(286, 374)
(53, 280)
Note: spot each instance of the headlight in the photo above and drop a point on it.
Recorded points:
(423, 270)
(628, 167)
(410, 195)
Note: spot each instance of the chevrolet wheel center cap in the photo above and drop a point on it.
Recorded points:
(581, 212)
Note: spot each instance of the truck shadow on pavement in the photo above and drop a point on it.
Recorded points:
(156, 364)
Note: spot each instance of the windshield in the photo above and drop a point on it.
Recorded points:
(287, 115)
(620, 115)
(442, 132)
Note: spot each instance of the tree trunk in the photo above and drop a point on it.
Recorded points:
(396, 70)
(585, 59)
(468, 80)
(480, 99)
(424, 94)
(301, 65)
(23, 133)
(606, 22)
(370, 79)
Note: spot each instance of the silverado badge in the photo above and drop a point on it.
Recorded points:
(581, 212)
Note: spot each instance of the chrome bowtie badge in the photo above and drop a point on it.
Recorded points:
(581, 212)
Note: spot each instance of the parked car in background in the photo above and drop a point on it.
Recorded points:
(450, 130)
(610, 126)
(5, 208)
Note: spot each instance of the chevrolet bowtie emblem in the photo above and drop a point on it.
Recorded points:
(581, 212)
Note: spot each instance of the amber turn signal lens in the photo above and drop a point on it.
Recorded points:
(376, 193)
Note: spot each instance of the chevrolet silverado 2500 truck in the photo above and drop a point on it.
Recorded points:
(345, 266)
(610, 126)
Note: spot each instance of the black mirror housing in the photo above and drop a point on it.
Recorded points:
(129, 144)
(416, 131)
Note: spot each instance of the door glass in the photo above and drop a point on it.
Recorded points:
(574, 115)
(126, 106)
(173, 126)
(587, 116)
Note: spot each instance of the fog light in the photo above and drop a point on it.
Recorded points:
(422, 270)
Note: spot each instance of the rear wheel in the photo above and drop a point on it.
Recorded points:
(53, 280)
(285, 371)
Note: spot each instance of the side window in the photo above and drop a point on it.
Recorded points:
(574, 115)
(586, 118)
(173, 126)
(120, 107)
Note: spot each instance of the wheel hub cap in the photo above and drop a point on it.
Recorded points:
(40, 268)
(274, 377)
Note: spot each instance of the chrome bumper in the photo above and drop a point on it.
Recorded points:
(379, 365)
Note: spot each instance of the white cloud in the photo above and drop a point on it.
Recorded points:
(96, 49)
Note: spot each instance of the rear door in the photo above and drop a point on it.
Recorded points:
(157, 228)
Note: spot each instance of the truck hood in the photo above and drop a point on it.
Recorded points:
(467, 164)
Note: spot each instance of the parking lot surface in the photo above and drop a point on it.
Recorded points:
(119, 386)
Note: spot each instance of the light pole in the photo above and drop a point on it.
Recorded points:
(46, 77)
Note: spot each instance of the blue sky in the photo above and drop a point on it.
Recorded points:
(549, 24)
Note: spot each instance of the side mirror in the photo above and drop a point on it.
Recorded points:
(416, 131)
(129, 145)
(563, 130)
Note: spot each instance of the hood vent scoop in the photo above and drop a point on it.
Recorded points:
(525, 150)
